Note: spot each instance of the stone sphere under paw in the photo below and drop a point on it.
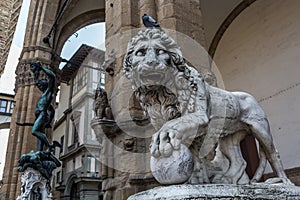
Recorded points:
(177, 168)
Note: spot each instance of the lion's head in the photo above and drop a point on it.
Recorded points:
(101, 95)
(155, 66)
(152, 59)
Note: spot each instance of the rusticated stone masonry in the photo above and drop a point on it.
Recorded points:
(182, 16)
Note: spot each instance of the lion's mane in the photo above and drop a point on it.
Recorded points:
(185, 79)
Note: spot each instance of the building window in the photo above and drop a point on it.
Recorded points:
(3, 105)
(12, 105)
(75, 120)
(62, 144)
(80, 80)
(75, 128)
(102, 78)
(92, 164)
(58, 177)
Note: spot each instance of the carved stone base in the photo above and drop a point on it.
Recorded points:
(34, 186)
(219, 191)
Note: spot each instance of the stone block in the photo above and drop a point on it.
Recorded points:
(164, 2)
(169, 23)
(166, 11)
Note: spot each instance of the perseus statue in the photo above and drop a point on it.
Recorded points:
(44, 111)
(44, 161)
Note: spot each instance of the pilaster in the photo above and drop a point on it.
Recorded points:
(40, 20)
(123, 18)
(182, 16)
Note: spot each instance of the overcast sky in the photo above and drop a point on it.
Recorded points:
(93, 35)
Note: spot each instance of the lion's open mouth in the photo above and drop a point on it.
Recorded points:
(152, 77)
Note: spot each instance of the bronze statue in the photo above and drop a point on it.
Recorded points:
(43, 161)
(44, 111)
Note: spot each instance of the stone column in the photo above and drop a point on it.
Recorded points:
(121, 16)
(148, 7)
(182, 16)
(185, 17)
(21, 141)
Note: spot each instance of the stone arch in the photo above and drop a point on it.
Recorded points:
(248, 145)
(258, 53)
(226, 23)
(78, 22)
(69, 184)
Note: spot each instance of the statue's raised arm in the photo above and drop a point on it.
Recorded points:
(36, 67)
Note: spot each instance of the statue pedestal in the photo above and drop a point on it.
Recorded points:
(34, 186)
(220, 191)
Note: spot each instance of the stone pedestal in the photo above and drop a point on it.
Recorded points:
(219, 191)
(34, 186)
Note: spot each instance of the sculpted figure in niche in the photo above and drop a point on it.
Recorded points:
(129, 143)
(188, 112)
(101, 105)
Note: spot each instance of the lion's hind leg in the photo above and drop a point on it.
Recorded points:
(261, 132)
(253, 115)
(230, 147)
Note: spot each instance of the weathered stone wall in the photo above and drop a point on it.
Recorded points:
(122, 16)
(182, 16)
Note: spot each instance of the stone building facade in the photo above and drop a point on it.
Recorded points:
(254, 44)
(7, 105)
(9, 14)
(79, 176)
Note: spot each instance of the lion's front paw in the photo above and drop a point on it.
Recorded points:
(164, 142)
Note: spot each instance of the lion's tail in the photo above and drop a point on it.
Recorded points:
(261, 167)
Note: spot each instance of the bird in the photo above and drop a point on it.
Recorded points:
(149, 22)
(46, 40)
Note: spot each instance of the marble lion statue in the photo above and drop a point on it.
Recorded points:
(184, 109)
